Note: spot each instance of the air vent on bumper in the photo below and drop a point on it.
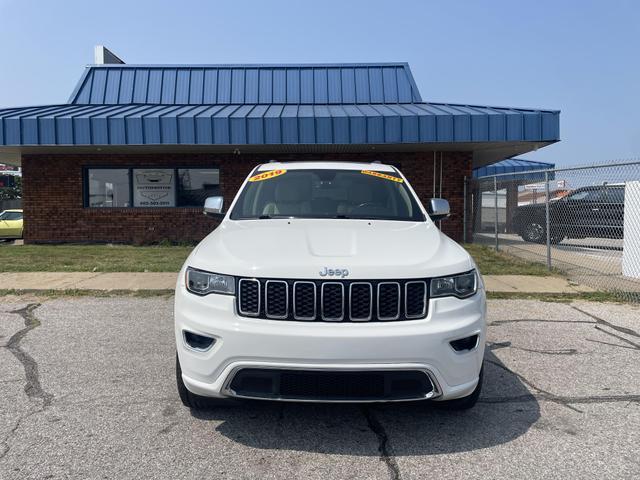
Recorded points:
(465, 344)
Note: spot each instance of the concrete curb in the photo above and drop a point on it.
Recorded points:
(533, 284)
(87, 281)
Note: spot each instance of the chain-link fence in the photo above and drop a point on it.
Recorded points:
(584, 221)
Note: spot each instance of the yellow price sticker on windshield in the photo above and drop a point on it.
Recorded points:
(382, 175)
(267, 175)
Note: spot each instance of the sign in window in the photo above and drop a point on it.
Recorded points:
(154, 187)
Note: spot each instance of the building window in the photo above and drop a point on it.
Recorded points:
(150, 187)
(196, 184)
(109, 187)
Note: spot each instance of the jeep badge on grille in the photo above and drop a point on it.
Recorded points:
(334, 272)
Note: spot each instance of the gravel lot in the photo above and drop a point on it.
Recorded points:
(87, 391)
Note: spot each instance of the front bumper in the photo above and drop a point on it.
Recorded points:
(247, 343)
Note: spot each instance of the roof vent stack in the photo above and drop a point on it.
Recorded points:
(103, 56)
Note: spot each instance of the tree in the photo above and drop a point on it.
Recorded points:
(11, 193)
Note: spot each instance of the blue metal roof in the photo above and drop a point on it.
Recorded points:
(511, 165)
(246, 84)
(272, 124)
(263, 104)
(521, 170)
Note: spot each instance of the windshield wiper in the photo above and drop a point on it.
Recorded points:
(266, 216)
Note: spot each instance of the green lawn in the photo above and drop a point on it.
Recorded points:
(126, 258)
(90, 258)
(491, 262)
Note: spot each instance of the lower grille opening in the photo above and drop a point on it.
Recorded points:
(331, 386)
(467, 343)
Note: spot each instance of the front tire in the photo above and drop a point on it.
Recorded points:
(191, 400)
(535, 232)
(464, 403)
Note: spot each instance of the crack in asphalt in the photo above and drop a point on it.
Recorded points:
(619, 337)
(547, 395)
(609, 343)
(95, 401)
(570, 351)
(5, 441)
(565, 401)
(561, 351)
(574, 400)
(535, 320)
(32, 387)
(384, 448)
(601, 321)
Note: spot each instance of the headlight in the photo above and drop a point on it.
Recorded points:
(461, 286)
(202, 283)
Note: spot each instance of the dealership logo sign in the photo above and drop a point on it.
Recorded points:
(154, 188)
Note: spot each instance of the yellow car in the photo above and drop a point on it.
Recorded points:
(11, 224)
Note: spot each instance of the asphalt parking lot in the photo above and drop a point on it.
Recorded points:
(87, 391)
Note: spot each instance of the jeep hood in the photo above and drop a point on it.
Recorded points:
(301, 248)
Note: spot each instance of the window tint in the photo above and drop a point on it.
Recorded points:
(109, 187)
(615, 195)
(595, 195)
(11, 216)
(196, 184)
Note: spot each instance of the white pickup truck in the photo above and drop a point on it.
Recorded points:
(329, 282)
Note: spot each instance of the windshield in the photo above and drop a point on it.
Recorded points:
(358, 194)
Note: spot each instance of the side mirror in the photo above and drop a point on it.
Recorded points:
(213, 207)
(438, 209)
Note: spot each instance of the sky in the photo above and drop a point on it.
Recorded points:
(577, 56)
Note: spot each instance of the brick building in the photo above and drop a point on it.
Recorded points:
(132, 155)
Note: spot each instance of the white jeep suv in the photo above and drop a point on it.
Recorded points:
(329, 282)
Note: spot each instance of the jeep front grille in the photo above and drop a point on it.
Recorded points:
(333, 301)
(249, 297)
(332, 296)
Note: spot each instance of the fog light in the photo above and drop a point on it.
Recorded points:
(467, 343)
(198, 342)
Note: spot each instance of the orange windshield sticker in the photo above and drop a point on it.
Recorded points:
(267, 175)
(382, 175)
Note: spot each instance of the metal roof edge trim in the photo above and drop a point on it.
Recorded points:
(412, 81)
(79, 85)
(434, 104)
(368, 146)
(251, 65)
(471, 105)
